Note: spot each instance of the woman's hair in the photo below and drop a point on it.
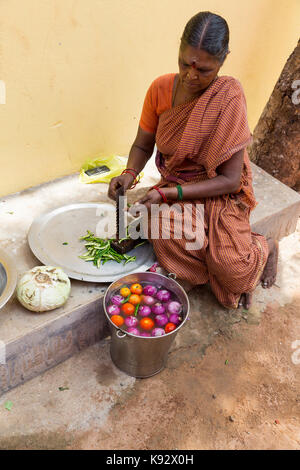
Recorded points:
(209, 32)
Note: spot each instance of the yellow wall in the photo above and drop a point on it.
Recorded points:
(76, 72)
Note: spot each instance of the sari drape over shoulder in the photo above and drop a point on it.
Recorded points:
(193, 139)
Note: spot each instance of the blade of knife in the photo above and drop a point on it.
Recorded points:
(120, 192)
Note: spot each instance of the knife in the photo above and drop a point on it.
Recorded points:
(125, 245)
(120, 193)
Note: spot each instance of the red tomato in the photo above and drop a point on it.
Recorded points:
(117, 320)
(127, 309)
(170, 327)
(134, 299)
(136, 289)
(146, 323)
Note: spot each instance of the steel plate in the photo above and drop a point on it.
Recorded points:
(67, 224)
(8, 277)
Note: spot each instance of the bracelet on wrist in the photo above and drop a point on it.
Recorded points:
(136, 177)
(161, 193)
(179, 190)
(132, 169)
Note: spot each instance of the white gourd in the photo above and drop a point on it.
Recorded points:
(43, 288)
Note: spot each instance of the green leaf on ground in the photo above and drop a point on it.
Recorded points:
(8, 405)
(61, 389)
(65, 243)
(226, 362)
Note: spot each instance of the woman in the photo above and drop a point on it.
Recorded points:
(199, 123)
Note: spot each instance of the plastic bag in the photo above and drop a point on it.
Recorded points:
(102, 169)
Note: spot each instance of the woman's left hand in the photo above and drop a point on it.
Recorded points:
(152, 197)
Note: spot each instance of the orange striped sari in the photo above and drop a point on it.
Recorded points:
(193, 139)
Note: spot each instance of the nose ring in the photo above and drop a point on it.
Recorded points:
(188, 76)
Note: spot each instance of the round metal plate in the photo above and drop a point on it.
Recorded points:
(67, 224)
(8, 277)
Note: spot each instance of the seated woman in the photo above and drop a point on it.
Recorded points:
(198, 121)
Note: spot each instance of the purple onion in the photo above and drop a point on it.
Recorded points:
(149, 290)
(117, 299)
(153, 268)
(174, 307)
(145, 333)
(131, 321)
(158, 332)
(158, 308)
(133, 331)
(163, 295)
(148, 300)
(113, 310)
(161, 320)
(144, 310)
(175, 318)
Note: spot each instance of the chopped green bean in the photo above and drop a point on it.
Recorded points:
(136, 309)
(99, 251)
(126, 299)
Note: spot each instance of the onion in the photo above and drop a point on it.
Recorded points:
(145, 333)
(163, 295)
(175, 318)
(149, 290)
(117, 299)
(174, 307)
(161, 320)
(133, 331)
(113, 310)
(158, 332)
(158, 308)
(153, 268)
(131, 321)
(144, 310)
(147, 299)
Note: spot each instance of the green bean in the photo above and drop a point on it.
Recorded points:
(100, 251)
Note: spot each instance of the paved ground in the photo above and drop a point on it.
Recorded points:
(232, 382)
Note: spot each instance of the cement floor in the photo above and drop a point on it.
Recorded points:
(232, 381)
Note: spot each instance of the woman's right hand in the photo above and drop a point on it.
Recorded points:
(125, 180)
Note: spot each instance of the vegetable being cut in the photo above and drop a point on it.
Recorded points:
(100, 250)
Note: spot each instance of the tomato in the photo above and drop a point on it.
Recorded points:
(117, 320)
(146, 323)
(136, 289)
(134, 299)
(128, 309)
(170, 327)
(125, 292)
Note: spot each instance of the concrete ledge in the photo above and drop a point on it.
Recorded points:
(278, 209)
(47, 346)
(35, 343)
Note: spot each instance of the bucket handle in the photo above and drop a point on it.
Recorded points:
(120, 334)
(172, 276)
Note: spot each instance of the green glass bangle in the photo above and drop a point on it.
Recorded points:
(180, 195)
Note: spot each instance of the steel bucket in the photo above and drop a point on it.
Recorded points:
(140, 356)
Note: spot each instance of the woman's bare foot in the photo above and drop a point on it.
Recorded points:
(268, 277)
(245, 300)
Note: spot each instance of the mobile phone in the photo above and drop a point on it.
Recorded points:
(97, 170)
